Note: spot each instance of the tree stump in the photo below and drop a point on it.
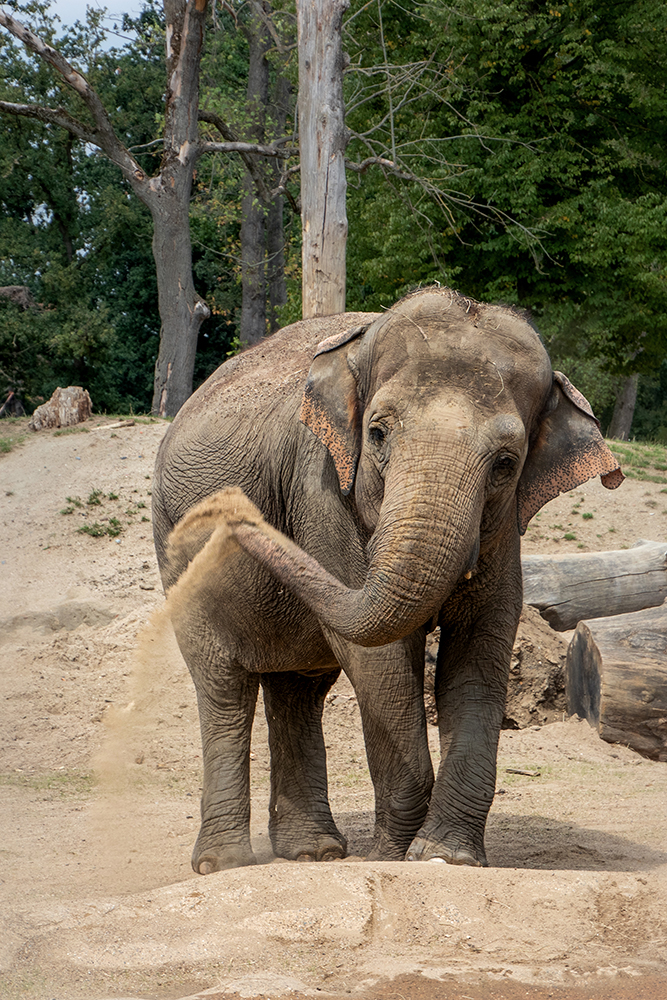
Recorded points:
(616, 677)
(569, 589)
(66, 407)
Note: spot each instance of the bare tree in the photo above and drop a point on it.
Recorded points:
(322, 141)
(167, 194)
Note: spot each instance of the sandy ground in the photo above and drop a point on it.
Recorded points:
(100, 804)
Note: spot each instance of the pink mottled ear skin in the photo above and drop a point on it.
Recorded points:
(329, 407)
(567, 451)
(339, 444)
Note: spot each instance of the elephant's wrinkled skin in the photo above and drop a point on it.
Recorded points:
(404, 457)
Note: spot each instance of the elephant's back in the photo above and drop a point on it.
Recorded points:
(264, 374)
(240, 426)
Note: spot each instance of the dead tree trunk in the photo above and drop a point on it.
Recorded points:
(322, 141)
(616, 677)
(253, 210)
(624, 409)
(182, 311)
(569, 589)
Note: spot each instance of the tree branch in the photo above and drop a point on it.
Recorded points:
(103, 135)
(50, 116)
(247, 150)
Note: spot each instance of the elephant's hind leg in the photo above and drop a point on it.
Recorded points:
(301, 826)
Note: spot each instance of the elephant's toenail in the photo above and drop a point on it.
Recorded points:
(205, 868)
(305, 857)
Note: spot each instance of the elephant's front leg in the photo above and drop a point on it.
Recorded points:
(226, 697)
(301, 826)
(471, 689)
(389, 684)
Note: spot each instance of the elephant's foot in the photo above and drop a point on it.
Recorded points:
(387, 848)
(319, 847)
(453, 849)
(220, 858)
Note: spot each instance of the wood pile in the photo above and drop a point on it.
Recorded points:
(616, 666)
(568, 589)
(616, 678)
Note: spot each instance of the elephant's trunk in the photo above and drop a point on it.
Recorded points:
(422, 546)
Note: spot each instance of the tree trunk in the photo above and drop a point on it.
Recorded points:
(66, 407)
(275, 248)
(569, 589)
(624, 409)
(275, 232)
(322, 142)
(168, 197)
(181, 309)
(616, 677)
(253, 224)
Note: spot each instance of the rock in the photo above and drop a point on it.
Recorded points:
(66, 407)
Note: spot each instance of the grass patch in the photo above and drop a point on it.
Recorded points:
(110, 526)
(76, 429)
(63, 783)
(13, 433)
(113, 528)
(645, 462)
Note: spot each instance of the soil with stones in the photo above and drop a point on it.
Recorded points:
(100, 771)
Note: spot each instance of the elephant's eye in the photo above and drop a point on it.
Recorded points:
(378, 434)
(503, 468)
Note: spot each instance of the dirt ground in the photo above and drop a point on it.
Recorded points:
(100, 800)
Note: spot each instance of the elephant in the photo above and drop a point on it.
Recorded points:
(322, 502)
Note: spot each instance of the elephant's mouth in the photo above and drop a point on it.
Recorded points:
(473, 558)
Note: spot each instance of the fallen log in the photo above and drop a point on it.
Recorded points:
(616, 677)
(572, 588)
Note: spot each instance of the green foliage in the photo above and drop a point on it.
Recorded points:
(70, 229)
(531, 144)
(568, 134)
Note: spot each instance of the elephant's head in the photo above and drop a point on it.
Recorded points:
(445, 422)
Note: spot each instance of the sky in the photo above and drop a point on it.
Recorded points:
(70, 11)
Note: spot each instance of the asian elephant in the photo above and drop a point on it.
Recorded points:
(322, 502)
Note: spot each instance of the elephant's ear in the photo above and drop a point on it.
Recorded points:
(567, 449)
(330, 405)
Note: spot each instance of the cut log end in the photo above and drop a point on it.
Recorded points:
(616, 678)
